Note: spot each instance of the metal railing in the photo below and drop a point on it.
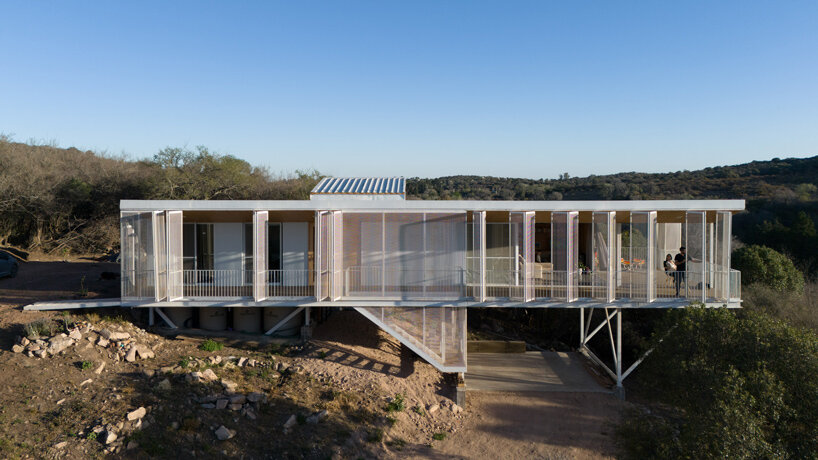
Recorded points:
(290, 283)
(716, 285)
(217, 283)
(391, 282)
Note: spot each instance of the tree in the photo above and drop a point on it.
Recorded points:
(730, 386)
(760, 264)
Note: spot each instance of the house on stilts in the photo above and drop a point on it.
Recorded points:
(416, 267)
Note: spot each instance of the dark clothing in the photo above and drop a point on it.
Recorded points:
(680, 262)
(679, 275)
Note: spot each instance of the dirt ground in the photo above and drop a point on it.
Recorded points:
(351, 369)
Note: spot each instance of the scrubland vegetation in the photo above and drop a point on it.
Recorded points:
(67, 201)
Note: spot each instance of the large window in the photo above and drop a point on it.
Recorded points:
(197, 246)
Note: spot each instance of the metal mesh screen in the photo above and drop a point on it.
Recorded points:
(137, 264)
(565, 255)
(641, 268)
(404, 255)
(436, 334)
(693, 277)
(603, 260)
(721, 260)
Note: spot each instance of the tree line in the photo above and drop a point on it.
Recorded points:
(66, 200)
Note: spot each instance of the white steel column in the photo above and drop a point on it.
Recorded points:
(479, 248)
(317, 260)
(337, 283)
(260, 219)
(175, 256)
(160, 256)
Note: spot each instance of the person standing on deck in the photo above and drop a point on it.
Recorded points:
(681, 265)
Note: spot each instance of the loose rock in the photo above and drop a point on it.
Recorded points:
(164, 385)
(137, 414)
(100, 368)
(223, 433)
(59, 343)
(290, 423)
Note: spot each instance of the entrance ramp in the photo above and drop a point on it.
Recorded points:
(531, 371)
(436, 334)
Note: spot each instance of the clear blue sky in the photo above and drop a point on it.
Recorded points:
(526, 89)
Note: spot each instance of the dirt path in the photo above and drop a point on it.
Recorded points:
(534, 425)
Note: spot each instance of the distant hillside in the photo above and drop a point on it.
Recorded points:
(777, 179)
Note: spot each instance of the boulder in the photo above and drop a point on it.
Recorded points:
(432, 408)
(110, 437)
(59, 343)
(222, 403)
(237, 399)
(131, 355)
(223, 433)
(164, 385)
(208, 406)
(17, 348)
(114, 336)
(235, 406)
(100, 368)
(242, 361)
(208, 375)
(137, 414)
(144, 352)
(75, 334)
(102, 342)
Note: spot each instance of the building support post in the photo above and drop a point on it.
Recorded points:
(306, 329)
(150, 316)
(460, 390)
(619, 391)
(582, 327)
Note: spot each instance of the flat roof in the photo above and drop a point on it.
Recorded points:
(430, 205)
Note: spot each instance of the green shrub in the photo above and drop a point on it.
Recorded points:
(397, 404)
(439, 436)
(86, 365)
(211, 345)
(728, 386)
(763, 265)
(41, 328)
